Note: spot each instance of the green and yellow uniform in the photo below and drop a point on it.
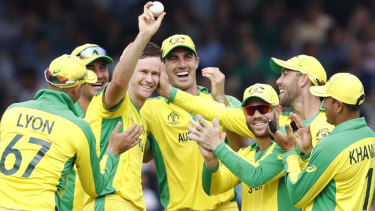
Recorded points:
(260, 174)
(37, 153)
(73, 196)
(339, 174)
(178, 159)
(234, 119)
(124, 191)
(231, 118)
(319, 126)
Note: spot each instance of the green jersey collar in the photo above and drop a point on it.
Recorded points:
(56, 97)
(350, 125)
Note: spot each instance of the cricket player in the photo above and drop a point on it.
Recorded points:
(42, 139)
(96, 60)
(121, 100)
(259, 167)
(298, 74)
(177, 158)
(339, 174)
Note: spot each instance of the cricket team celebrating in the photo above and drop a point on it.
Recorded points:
(80, 144)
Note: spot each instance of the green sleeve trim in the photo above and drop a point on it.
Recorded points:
(172, 95)
(207, 177)
(111, 155)
(67, 182)
(305, 157)
(160, 171)
(264, 170)
(107, 127)
(111, 166)
(235, 103)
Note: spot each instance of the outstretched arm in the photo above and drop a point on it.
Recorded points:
(124, 69)
(232, 119)
(253, 174)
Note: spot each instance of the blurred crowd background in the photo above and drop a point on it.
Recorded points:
(238, 36)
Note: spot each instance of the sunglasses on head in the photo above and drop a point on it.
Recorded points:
(262, 108)
(89, 52)
(60, 80)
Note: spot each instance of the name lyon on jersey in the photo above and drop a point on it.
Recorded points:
(36, 123)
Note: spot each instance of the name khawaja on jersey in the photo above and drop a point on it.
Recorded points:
(35, 123)
(361, 153)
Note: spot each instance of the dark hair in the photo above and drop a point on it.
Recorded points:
(151, 50)
(351, 108)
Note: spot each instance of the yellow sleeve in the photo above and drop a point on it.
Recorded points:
(88, 166)
(230, 118)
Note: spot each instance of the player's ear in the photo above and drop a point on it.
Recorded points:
(77, 90)
(198, 60)
(304, 80)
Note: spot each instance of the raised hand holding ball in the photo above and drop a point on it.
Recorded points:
(157, 8)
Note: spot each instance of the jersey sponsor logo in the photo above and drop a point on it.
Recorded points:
(35, 123)
(251, 190)
(361, 153)
(322, 133)
(183, 137)
(280, 156)
(173, 118)
(310, 168)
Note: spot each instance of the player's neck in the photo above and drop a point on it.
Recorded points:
(193, 90)
(138, 101)
(307, 107)
(84, 103)
(263, 143)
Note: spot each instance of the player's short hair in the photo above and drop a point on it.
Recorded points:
(351, 108)
(151, 50)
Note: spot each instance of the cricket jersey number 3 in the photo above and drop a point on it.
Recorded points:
(30, 168)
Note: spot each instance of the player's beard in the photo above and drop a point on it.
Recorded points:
(289, 95)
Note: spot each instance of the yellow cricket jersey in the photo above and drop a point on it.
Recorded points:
(125, 184)
(72, 199)
(231, 118)
(177, 158)
(40, 142)
(319, 127)
(260, 174)
(339, 174)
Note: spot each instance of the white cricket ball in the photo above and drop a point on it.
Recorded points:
(157, 8)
